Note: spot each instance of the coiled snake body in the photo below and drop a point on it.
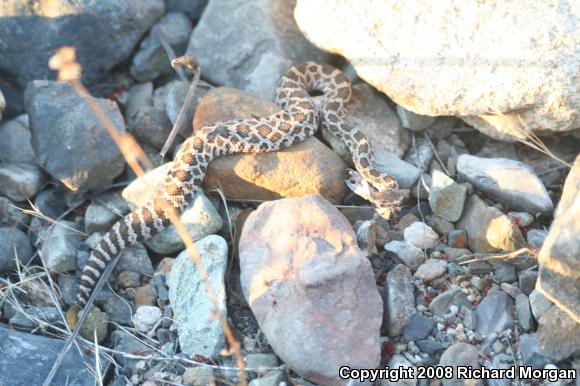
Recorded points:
(298, 119)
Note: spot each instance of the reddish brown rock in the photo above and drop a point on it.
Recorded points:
(308, 167)
(311, 288)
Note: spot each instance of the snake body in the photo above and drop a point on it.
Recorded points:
(298, 119)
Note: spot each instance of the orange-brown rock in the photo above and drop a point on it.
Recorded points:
(308, 167)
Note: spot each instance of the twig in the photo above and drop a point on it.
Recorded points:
(493, 256)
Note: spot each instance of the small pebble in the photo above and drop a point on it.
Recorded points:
(146, 317)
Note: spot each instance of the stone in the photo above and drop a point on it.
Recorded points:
(103, 34)
(443, 302)
(431, 269)
(404, 173)
(199, 332)
(10, 215)
(261, 362)
(418, 328)
(558, 335)
(368, 111)
(104, 211)
(71, 143)
(539, 303)
(536, 237)
(313, 166)
(39, 353)
(446, 197)
(96, 323)
(453, 76)
(521, 219)
(528, 349)
(176, 95)
(146, 318)
(145, 295)
(299, 261)
(124, 341)
(460, 354)
(527, 281)
(251, 56)
(24, 319)
(15, 143)
(399, 300)
(129, 279)
(60, 245)
(412, 121)
(503, 272)
(469, 318)
(51, 202)
(150, 126)
(193, 8)
(151, 60)
(275, 378)
(457, 238)
(140, 96)
(495, 314)
(430, 346)
(396, 362)
(20, 181)
(198, 376)
(421, 235)
(14, 244)
(511, 290)
(511, 182)
(420, 155)
(559, 258)
(488, 229)
(524, 313)
(439, 224)
(407, 253)
(136, 259)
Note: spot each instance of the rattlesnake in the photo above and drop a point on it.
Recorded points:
(298, 119)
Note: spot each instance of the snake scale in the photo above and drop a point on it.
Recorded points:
(298, 119)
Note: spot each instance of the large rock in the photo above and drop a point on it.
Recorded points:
(20, 181)
(308, 167)
(249, 44)
(70, 142)
(559, 257)
(510, 182)
(199, 332)
(558, 335)
(488, 229)
(103, 33)
(452, 58)
(15, 143)
(399, 299)
(300, 262)
(37, 354)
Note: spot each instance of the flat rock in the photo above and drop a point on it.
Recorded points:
(495, 313)
(421, 235)
(409, 254)
(511, 182)
(10, 215)
(539, 303)
(146, 318)
(308, 167)
(524, 313)
(446, 197)
(399, 300)
(462, 70)
(528, 349)
(488, 229)
(199, 332)
(70, 142)
(103, 33)
(13, 244)
(300, 261)
(60, 245)
(431, 269)
(405, 173)
(559, 257)
(20, 181)
(418, 328)
(39, 354)
(15, 143)
(249, 56)
(443, 302)
(460, 354)
(558, 335)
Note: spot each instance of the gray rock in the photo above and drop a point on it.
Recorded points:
(558, 335)
(446, 197)
(460, 354)
(412, 121)
(418, 328)
(511, 290)
(469, 318)
(522, 219)
(420, 155)
(431, 269)
(528, 349)
(193, 8)
(455, 296)
(524, 313)
(39, 354)
(274, 378)
(510, 182)
(403, 172)
(409, 254)
(124, 341)
(60, 245)
(13, 244)
(313, 273)
(47, 315)
(10, 215)
(2, 104)
(400, 300)
(15, 143)
(176, 94)
(421, 235)
(20, 181)
(503, 272)
(527, 281)
(146, 317)
(457, 238)
(495, 314)
(261, 361)
(480, 267)
(536, 237)
(150, 126)
(140, 96)
(51, 202)
(151, 60)
(198, 376)
(559, 257)
(539, 303)
(251, 56)
(102, 213)
(69, 140)
(103, 33)
(117, 308)
(199, 332)
(430, 346)
(488, 229)
(395, 362)
(135, 259)
(439, 224)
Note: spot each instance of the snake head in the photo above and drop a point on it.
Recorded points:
(72, 316)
